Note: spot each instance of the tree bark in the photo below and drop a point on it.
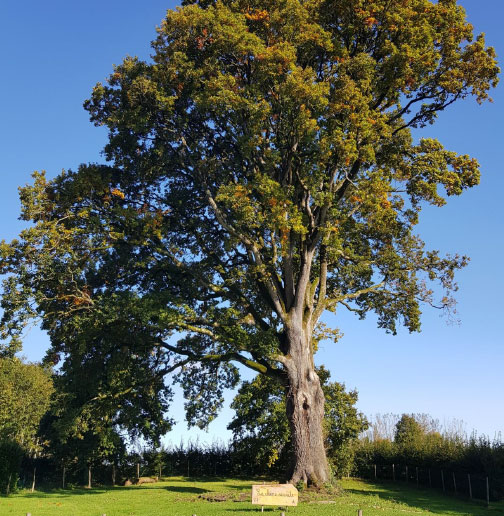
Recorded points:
(305, 411)
(34, 477)
(89, 477)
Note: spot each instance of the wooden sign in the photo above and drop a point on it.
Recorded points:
(285, 495)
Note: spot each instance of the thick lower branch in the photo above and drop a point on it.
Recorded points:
(261, 367)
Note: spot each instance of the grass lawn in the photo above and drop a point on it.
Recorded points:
(184, 497)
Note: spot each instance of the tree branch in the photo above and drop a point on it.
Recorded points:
(321, 298)
(259, 367)
(272, 285)
(354, 295)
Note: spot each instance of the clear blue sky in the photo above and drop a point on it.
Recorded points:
(53, 52)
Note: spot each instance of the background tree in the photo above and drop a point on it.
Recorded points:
(408, 430)
(410, 437)
(262, 171)
(261, 433)
(87, 433)
(25, 397)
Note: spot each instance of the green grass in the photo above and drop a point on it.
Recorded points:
(185, 497)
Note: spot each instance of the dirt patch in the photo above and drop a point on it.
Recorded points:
(216, 497)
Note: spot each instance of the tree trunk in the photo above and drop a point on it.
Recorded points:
(113, 474)
(305, 412)
(89, 477)
(63, 479)
(34, 478)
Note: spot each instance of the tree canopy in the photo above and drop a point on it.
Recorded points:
(261, 170)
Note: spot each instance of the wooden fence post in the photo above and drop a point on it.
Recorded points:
(470, 487)
(442, 480)
(359, 512)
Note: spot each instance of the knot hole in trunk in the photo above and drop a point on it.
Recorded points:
(305, 405)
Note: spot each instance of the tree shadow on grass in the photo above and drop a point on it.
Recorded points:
(215, 480)
(76, 491)
(60, 493)
(185, 489)
(239, 487)
(207, 481)
(429, 500)
(181, 486)
(253, 509)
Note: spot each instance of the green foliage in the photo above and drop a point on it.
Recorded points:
(410, 437)
(260, 427)
(408, 431)
(261, 171)
(25, 396)
(77, 434)
(25, 392)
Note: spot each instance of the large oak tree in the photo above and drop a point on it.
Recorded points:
(262, 170)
